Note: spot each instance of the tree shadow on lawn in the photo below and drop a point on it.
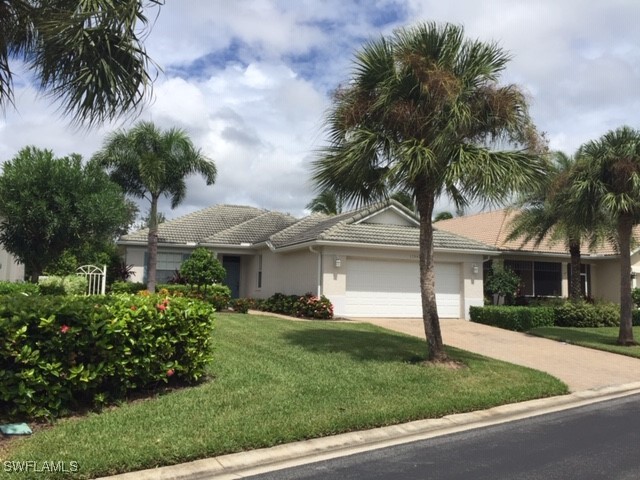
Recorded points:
(380, 346)
(574, 336)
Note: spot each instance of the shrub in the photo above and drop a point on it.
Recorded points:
(635, 319)
(519, 319)
(503, 283)
(202, 269)
(635, 295)
(582, 314)
(241, 305)
(311, 306)
(67, 285)
(217, 295)
(61, 353)
(127, 287)
(19, 288)
(307, 306)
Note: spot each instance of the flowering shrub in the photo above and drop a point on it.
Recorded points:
(62, 353)
(67, 285)
(306, 306)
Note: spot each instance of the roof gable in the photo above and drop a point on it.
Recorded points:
(391, 215)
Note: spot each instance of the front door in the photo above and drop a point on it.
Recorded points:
(232, 265)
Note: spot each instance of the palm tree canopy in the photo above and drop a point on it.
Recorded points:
(548, 210)
(88, 55)
(608, 174)
(420, 113)
(326, 202)
(148, 162)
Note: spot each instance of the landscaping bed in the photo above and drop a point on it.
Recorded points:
(275, 381)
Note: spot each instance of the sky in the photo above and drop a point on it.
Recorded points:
(250, 81)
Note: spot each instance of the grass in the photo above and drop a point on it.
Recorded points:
(601, 338)
(276, 381)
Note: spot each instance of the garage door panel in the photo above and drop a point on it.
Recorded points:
(378, 288)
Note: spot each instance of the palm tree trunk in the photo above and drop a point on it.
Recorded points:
(625, 226)
(152, 244)
(425, 204)
(575, 289)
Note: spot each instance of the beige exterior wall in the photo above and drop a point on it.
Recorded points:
(135, 256)
(605, 280)
(10, 269)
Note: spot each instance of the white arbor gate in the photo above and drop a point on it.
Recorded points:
(96, 278)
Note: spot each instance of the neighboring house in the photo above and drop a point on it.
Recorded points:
(364, 261)
(545, 269)
(10, 269)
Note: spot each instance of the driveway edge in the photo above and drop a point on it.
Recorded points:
(253, 462)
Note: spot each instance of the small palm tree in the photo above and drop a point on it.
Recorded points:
(326, 202)
(547, 212)
(607, 179)
(148, 163)
(419, 115)
(88, 55)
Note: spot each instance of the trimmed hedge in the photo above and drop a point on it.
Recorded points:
(519, 319)
(569, 314)
(582, 314)
(63, 353)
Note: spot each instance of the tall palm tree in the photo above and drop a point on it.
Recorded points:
(326, 202)
(88, 55)
(608, 179)
(420, 114)
(148, 163)
(547, 211)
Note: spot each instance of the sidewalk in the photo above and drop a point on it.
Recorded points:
(580, 368)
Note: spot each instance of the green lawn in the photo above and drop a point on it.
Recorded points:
(276, 381)
(602, 338)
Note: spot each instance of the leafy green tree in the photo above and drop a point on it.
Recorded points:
(51, 205)
(326, 202)
(202, 268)
(88, 55)
(420, 114)
(503, 283)
(547, 211)
(607, 179)
(149, 163)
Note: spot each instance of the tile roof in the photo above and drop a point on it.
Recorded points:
(493, 228)
(255, 230)
(349, 227)
(237, 225)
(200, 225)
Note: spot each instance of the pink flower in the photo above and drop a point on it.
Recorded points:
(170, 372)
(161, 306)
(133, 307)
(65, 328)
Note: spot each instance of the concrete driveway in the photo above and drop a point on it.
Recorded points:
(580, 368)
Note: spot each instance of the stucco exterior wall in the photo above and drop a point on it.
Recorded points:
(10, 269)
(605, 280)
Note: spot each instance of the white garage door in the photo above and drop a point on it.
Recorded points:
(380, 288)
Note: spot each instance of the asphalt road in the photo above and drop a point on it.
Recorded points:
(600, 441)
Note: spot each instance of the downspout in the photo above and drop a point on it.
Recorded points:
(319, 269)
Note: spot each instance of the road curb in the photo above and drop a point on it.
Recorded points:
(253, 462)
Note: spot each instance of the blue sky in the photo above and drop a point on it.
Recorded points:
(250, 81)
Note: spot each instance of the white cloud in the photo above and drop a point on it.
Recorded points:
(251, 80)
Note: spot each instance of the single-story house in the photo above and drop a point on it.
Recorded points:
(365, 261)
(544, 269)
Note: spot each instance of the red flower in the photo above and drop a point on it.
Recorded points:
(65, 328)
(170, 372)
(133, 307)
(161, 306)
